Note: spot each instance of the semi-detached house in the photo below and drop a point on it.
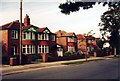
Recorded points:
(67, 40)
(35, 40)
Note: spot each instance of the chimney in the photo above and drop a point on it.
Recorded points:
(26, 20)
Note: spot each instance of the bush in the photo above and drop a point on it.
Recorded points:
(38, 60)
(81, 52)
(67, 54)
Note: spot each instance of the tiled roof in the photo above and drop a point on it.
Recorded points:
(60, 33)
(64, 33)
(80, 36)
(13, 25)
(41, 29)
(69, 34)
(16, 25)
(26, 27)
(6, 25)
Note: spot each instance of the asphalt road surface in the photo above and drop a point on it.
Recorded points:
(103, 69)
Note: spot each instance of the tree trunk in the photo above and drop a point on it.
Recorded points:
(114, 51)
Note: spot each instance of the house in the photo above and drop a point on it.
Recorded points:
(35, 40)
(81, 43)
(10, 40)
(67, 40)
(91, 44)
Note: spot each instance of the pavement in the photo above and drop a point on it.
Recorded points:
(7, 69)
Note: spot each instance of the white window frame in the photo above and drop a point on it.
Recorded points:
(14, 50)
(43, 49)
(71, 48)
(29, 49)
(43, 36)
(14, 34)
(29, 35)
(71, 39)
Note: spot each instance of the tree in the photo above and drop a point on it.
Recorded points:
(110, 20)
(75, 5)
(110, 23)
(100, 43)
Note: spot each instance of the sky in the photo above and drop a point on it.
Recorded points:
(45, 13)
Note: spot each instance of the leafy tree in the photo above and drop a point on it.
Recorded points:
(110, 23)
(110, 20)
(75, 5)
(100, 43)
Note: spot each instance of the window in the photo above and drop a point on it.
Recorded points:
(24, 49)
(28, 49)
(14, 34)
(43, 49)
(71, 48)
(71, 39)
(89, 41)
(14, 50)
(29, 35)
(52, 37)
(44, 36)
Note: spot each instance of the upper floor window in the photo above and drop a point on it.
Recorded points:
(71, 39)
(29, 35)
(52, 37)
(43, 36)
(14, 34)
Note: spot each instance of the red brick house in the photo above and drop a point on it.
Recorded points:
(35, 40)
(81, 42)
(10, 39)
(67, 40)
(91, 44)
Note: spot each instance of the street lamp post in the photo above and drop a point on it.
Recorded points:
(20, 55)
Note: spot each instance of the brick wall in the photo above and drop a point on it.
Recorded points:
(81, 43)
(62, 41)
(4, 41)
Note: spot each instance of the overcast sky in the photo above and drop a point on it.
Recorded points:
(45, 13)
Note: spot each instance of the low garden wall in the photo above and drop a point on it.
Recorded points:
(50, 59)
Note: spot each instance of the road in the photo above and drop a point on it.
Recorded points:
(103, 69)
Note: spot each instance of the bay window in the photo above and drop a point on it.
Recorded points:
(43, 36)
(43, 49)
(29, 35)
(28, 49)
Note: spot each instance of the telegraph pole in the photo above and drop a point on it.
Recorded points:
(20, 55)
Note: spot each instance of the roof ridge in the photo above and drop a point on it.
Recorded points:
(10, 24)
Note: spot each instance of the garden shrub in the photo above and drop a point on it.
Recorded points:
(38, 60)
(67, 54)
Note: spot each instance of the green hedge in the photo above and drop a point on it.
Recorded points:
(67, 54)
